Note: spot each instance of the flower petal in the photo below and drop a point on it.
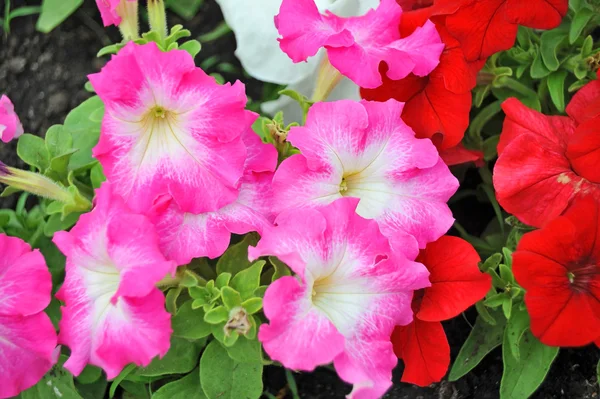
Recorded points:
(456, 281)
(27, 347)
(424, 348)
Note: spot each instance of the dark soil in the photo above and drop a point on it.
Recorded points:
(44, 75)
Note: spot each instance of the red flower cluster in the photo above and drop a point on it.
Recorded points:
(548, 166)
(456, 284)
(547, 161)
(559, 266)
(438, 105)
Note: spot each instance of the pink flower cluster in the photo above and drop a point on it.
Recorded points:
(185, 171)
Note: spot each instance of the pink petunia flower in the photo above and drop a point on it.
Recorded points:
(351, 290)
(169, 128)
(364, 150)
(27, 336)
(113, 314)
(363, 41)
(184, 236)
(109, 11)
(10, 125)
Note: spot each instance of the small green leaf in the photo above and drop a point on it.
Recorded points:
(551, 40)
(223, 280)
(57, 223)
(492, 262)
(484, 313)
(587, 46)
(191, 46)
(224, 378)
(58, 140)
(506, 273)
(97, 176)
(556, 88)
(95, 390)
(538, 67)
(189, 323)
(85, 131)
(252, 305)
(218, 315)
(54, 12)
(60, 164)
(189, 279)
(171, 299)
(482, 340)
(231, 298)
(507, 308)
(188, 387)
(521, 378)
(118, 379)
(490, 147)
(579, 22)
(515, 328)
(248, 280)
(496, 300)
(186, 9)
(32, 150)
(281, 269)
(235, 259)
(181, 358)
(89, 374)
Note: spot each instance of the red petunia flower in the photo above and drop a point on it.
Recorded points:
(547, 161)
(559, 268)
(438, 105)
(485, 27)
(456, 284)
(459, 154)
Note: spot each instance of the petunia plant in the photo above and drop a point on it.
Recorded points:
(169, 242)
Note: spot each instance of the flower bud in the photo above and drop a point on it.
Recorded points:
(157, 17)
(42, 186)
(238, 322)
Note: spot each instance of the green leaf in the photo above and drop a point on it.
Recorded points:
(482, 340)
(97, 176)
(521, 378)
(231, 298)
(484, 313)
(246, 350)
(492, 262)
(538, 68)
(191, 46)
(515, 328)
(587, 46)
(281, 269)
(95, 390)
(579, 22)
(507, 308)
(490, 147)
(223, 280)
(57, 223)
(56, 384)
(252, 305)
(89, 374)
(135, 390)
(506, 274)
(496, 300)
(54, 12)
(556, 88)
(235, 259)
(224, 378)
(171, 299)
(550, 41)
(189, 323)
(218, 315)
(58, 140)
(84, 130)
(118, 379)
(188, 387)
(181, 358)
(248, 280)
(60, 164)
(186, 9)
(32, 150)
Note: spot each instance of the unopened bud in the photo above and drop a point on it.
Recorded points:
(42, 186)
(327, 80)
(157, 17)
(129, 26)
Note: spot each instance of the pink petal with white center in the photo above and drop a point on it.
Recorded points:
(27, 351)
(184, 236)
(364, 150)
(351, 279)
(170, 129)
(25, 282)
(365, 40)
(10, 125)
(113, 265)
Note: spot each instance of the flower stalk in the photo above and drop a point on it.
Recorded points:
(327, 80)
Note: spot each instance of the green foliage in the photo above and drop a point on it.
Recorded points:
(54, 12)
(484, 337)
(522, 377)
(188, 387)
(225, 378)
(186, 9)
(57, 384)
